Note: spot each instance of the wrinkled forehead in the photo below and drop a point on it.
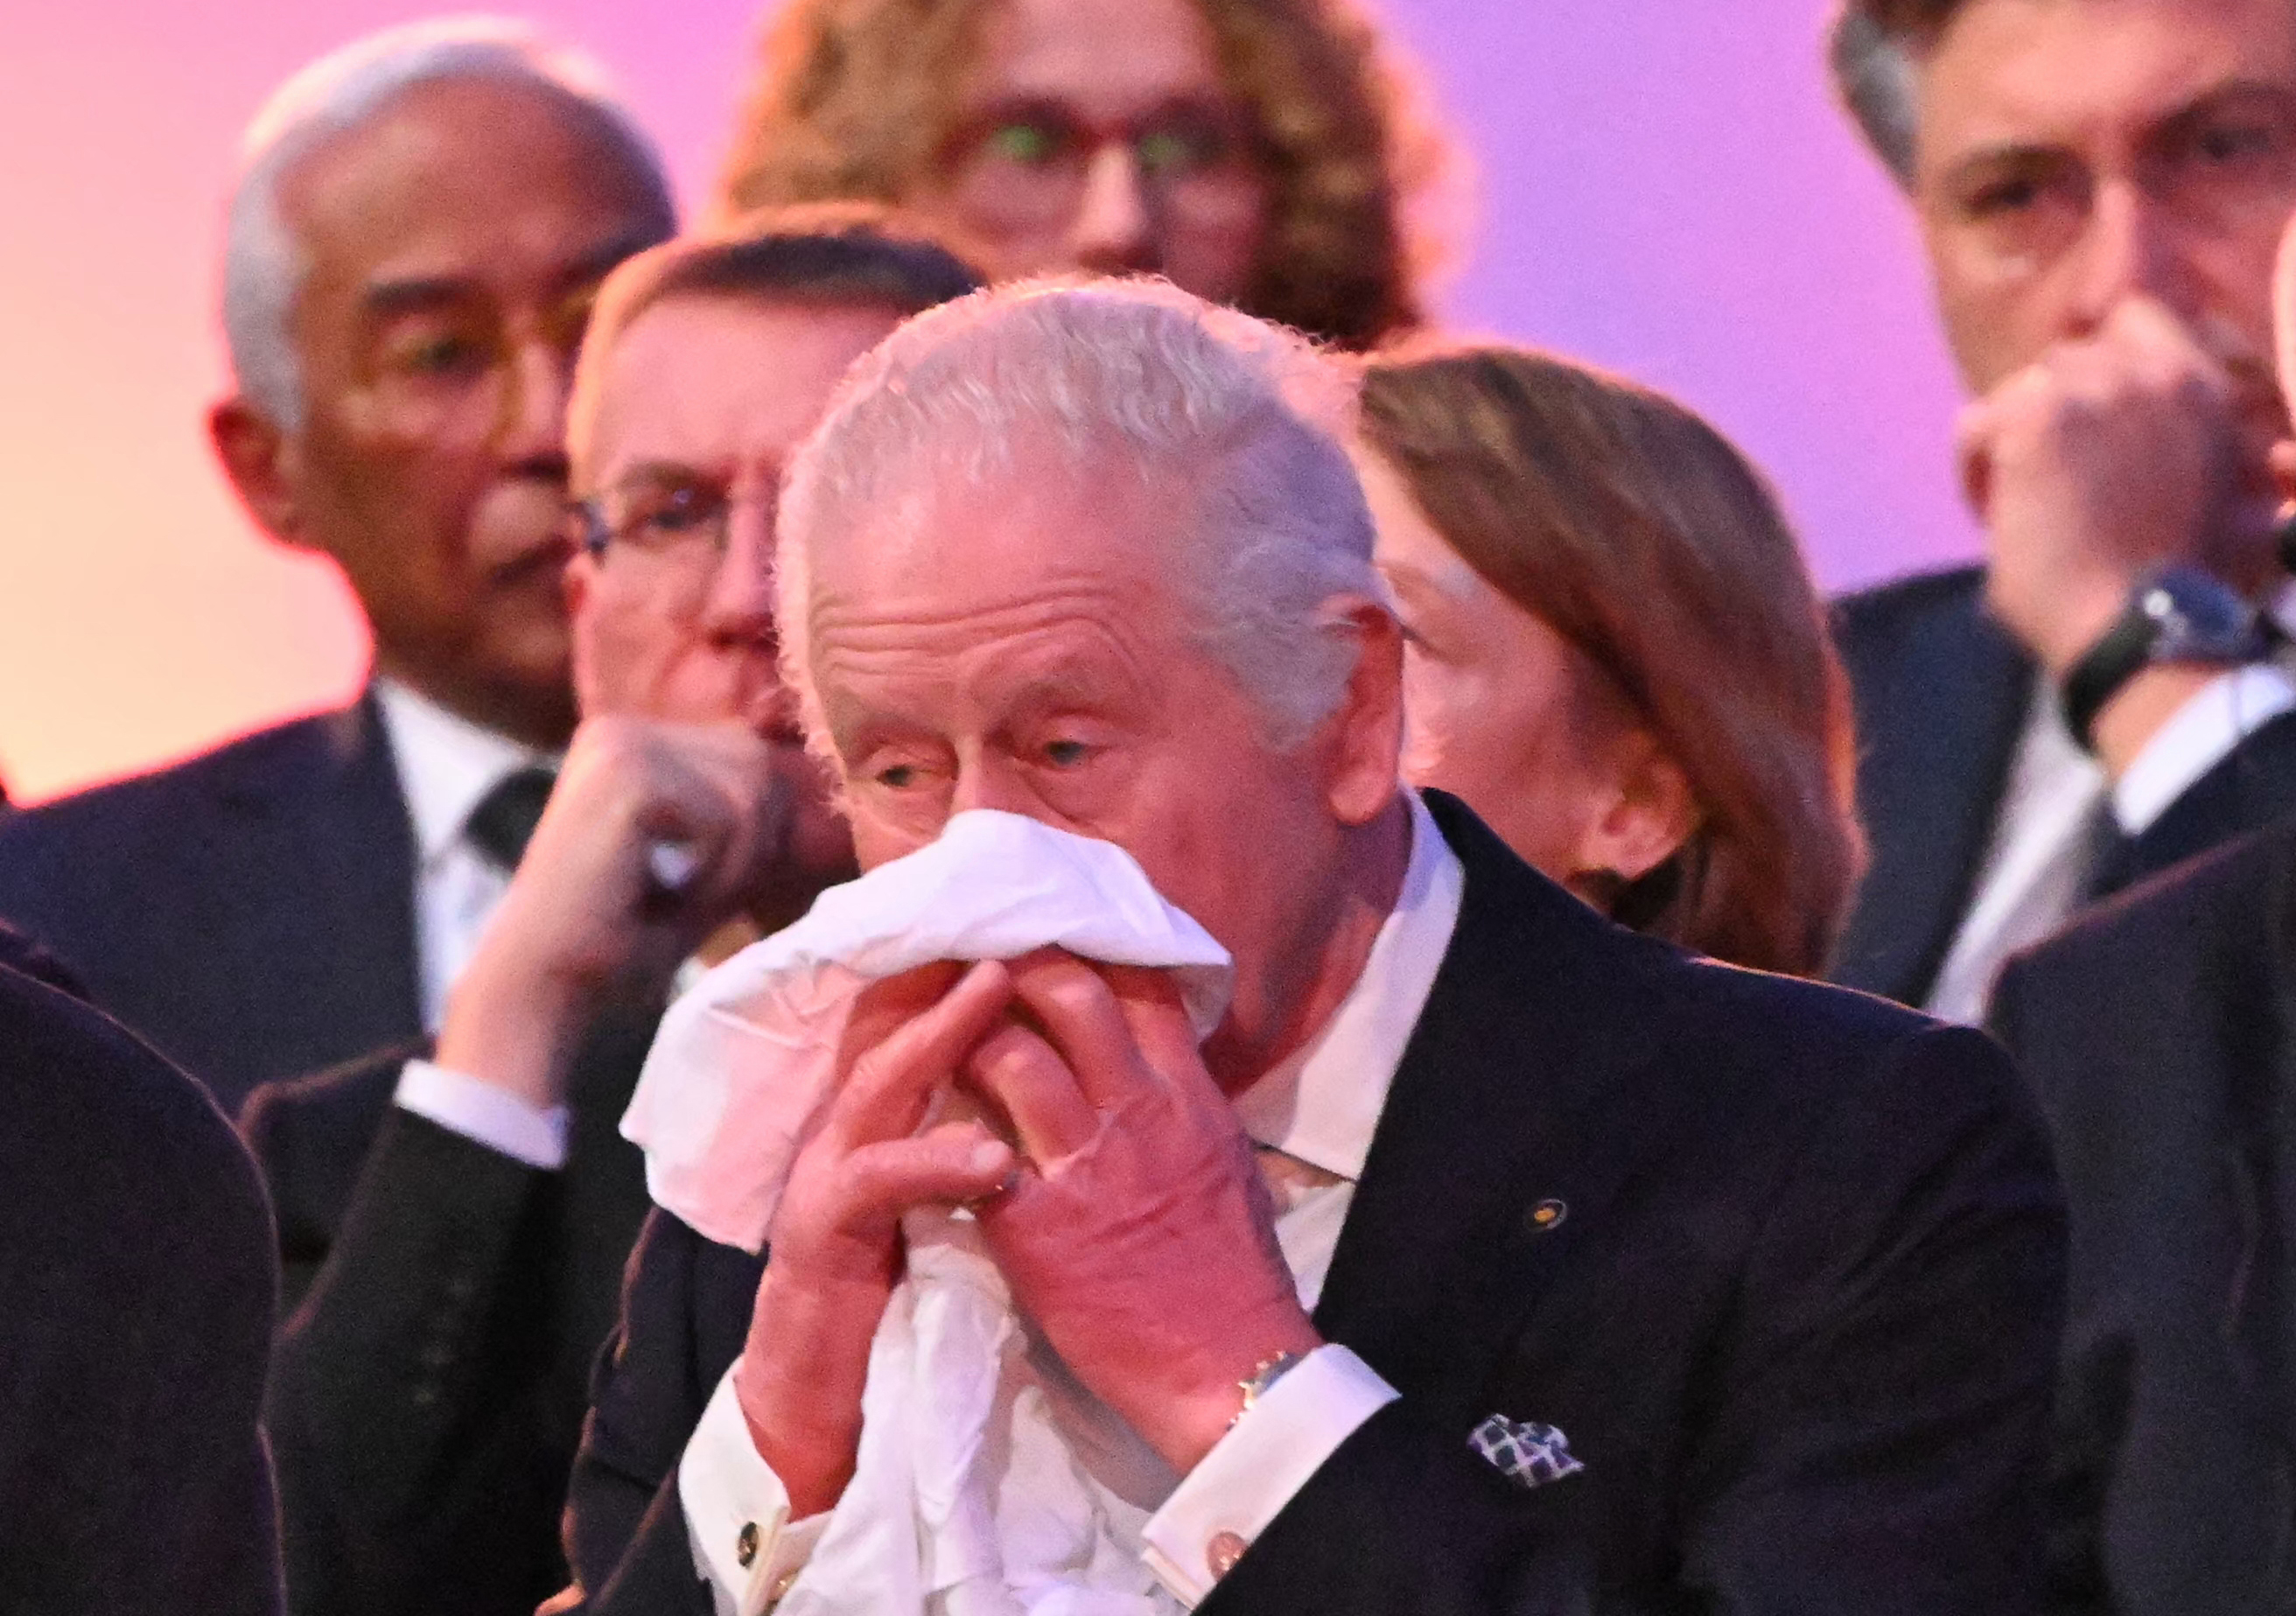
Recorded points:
(944, 547)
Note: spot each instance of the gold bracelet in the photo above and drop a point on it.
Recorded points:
(1268, 1371)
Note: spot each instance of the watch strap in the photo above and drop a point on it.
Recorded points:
(2178, 614)
(2124, 652)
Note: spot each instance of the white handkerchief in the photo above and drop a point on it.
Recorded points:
(743, 1059)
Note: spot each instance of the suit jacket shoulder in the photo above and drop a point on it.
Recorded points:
(250, 911)
(1941, 692)
(135, 1256)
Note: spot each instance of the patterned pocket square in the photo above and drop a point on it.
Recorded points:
(1524, 1451)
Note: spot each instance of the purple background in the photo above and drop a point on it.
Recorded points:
(1663, 186)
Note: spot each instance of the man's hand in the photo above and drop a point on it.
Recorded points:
(2104, 459)
(834, 1252)
(583, 917)
(1138, 1234)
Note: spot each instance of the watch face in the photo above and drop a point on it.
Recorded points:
(2201, 619)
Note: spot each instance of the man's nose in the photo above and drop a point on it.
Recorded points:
(739, 607)
(1113, 233)
(532, 427)
(981, 783)
(2134, 244)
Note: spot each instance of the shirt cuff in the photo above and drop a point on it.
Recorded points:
(484, 1114)
(1257, 1467)
(745, 1547)
(2201, 735)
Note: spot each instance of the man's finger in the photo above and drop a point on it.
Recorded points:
(1025, 1078)
(1080, 1013)
(1157, 1013)
(946, 1165)
(885, 1095)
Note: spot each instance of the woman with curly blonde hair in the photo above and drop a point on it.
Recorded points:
(1266, 153)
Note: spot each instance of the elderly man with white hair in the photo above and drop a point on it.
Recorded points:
(417, 228)
(1483, 1256)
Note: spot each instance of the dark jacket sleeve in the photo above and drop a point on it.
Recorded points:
(1872, 1427)
(420, 1460)
(135, 1265)
(626, 1534)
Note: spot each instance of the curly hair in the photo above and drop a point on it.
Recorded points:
(1637, 532)
(857, 99)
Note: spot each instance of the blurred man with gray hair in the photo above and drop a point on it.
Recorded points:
(2100, 186)
(1484, 1257)
(418, 225)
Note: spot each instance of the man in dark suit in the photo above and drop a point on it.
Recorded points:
(415, 233)
(1570, 1273)
(2160, 1031)
(454, 1228)
(138, 1279)
(2099, 189)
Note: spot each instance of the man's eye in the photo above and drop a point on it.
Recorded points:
(2234, 143)
(1066, 754)
(897, 777)
(1029, 145)
(2004, 196)
(448, 354)
(671, 515)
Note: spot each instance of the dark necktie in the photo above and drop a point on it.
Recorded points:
(504, 822)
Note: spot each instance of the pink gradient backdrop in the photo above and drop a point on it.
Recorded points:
(1664, 187)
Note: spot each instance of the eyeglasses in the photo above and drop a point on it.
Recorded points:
(1025, 168)
(680, 521)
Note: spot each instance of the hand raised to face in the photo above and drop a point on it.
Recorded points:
(2104, 459)
(1138, 1236)
(834, 1249)
(586, 917)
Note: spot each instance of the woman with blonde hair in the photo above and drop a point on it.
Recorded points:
(1614, 652)
(1264, 154)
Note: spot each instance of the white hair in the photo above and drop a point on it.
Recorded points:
(1239, 423)
(263, 265)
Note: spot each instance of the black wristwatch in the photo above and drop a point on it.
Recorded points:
(2179, 614)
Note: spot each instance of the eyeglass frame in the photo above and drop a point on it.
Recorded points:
(1242, 156)
(598, 531)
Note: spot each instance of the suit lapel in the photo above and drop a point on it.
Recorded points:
(1497, 1151)
(1941, 709)
(329, 836)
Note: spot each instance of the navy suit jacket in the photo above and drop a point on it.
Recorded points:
(1798, 1319)
(250, 912)
(445, 1304)
(136, 1299)
(2159, 1032)
(1942, 693)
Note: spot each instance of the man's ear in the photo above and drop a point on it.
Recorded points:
(1366, 732)
(260, 459)
(1651, 814)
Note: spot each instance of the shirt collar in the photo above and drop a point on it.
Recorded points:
(446, 764)
(1322, 1104)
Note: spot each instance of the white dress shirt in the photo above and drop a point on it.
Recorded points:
(446, 765)
(2036, 863)
(1320, 1107)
